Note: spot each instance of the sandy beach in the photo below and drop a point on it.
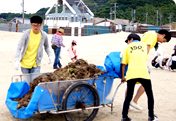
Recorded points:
(94, 49)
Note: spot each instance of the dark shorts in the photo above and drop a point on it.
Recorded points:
(73, 58)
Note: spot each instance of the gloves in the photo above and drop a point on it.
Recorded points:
(16, 65)
(51, 59)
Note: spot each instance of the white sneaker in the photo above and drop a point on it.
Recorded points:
(131, 108)
(171, 70)
(165, 68)
(134, 105)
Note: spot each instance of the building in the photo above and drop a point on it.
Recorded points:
(16, 25)
(2, 19)
(118, 24)
(18, 20)
(74, 14)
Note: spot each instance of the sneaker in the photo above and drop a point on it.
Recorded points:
(171, 70)
(165, 68)
(134, 105)
(126, 119)
(55, 68)
(131, 108)
(153, 119)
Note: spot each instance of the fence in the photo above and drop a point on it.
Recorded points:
(143, 29)
(86, 30)
(12, 27)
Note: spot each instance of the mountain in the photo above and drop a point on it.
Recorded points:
(145, 10)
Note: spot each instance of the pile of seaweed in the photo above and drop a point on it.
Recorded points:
(80, 69)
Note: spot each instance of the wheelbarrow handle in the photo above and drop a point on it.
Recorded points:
(116, 91)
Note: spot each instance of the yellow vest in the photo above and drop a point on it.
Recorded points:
(29, 59)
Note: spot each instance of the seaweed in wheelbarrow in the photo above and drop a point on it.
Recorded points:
(80, 69)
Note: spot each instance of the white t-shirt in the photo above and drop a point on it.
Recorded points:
(159, 51)
(159, 60)
(71, 53)
(173, 58)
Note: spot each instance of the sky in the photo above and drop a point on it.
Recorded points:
(30, 6)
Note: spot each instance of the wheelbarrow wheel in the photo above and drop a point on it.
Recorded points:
(80, 95)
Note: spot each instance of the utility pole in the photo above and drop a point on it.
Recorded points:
(134, 15)
(146, 17)
(111, 13)
(157, 18)
(170, 17)
(114, 10)
(22, 4)
(161, 15)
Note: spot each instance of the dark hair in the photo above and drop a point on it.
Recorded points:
(73, 43)
(134, 36)
(168, 34)
(36, 19)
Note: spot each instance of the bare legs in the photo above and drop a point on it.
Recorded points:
(73, 60)
(133, 103)
(140, 91)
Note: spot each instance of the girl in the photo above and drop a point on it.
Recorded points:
(72, 51)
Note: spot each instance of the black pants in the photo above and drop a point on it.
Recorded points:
(146, 83)
(173, 66)
(154, 61)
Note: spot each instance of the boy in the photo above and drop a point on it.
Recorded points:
(150, 38)
(32, 42)
(135, 55)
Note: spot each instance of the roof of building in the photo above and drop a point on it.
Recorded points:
(116, 22)
(19, 20)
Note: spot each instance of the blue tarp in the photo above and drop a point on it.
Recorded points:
(18, 89)
(113, 63)
(41, 96)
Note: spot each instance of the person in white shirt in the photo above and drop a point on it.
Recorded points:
(172, 61)
(161, 61)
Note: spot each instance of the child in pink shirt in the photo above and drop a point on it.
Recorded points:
(72, 51)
